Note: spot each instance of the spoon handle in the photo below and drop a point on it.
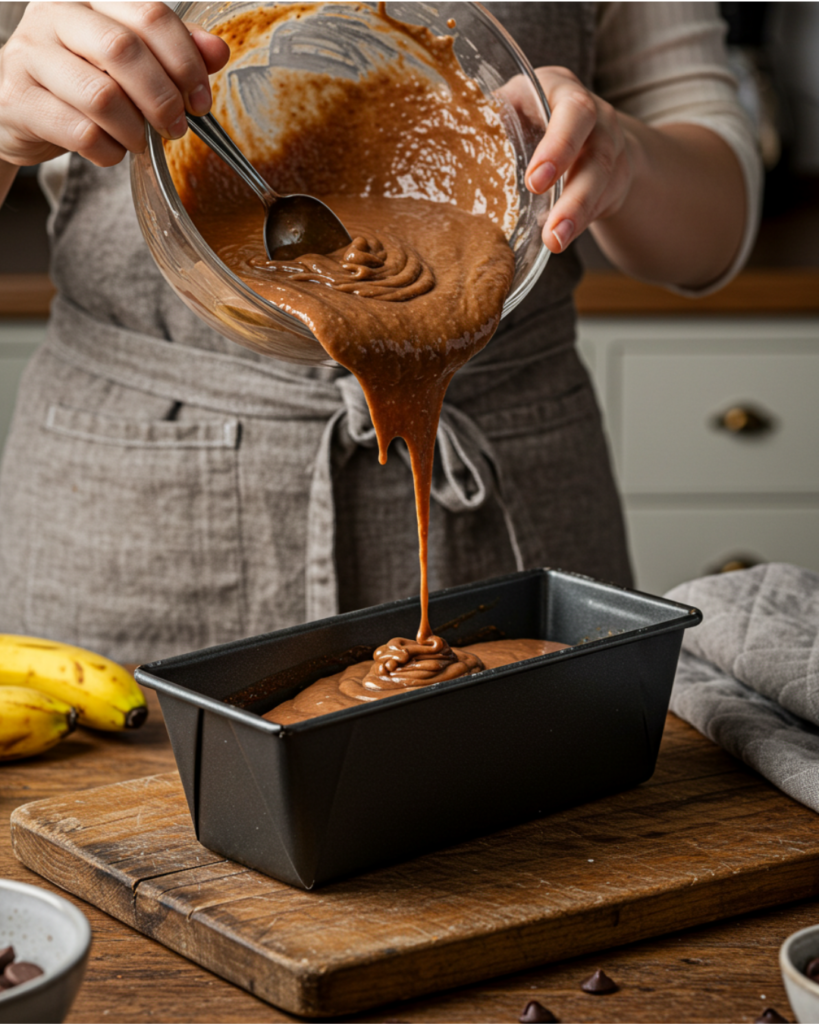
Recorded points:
(214, 135)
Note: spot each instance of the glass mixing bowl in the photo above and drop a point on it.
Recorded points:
(339, 39)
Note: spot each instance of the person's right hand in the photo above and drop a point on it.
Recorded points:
(83, 77)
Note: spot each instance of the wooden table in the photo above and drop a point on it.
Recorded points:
(724, 972)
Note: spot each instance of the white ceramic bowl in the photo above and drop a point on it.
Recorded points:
(48, 931)
(795, 954)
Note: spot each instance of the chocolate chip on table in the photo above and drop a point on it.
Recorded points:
(812, 970)
(6, 956)
(599, 984)
(536, 1013)
(770, 1016)
(19, 972)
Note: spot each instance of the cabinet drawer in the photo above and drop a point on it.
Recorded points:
(671, 545)
(671, 402)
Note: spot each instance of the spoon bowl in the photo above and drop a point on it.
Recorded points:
(299, 224)
(294, 225)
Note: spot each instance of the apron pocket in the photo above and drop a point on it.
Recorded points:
(134, 538)
(88, 426)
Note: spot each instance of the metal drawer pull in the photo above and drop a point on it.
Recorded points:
(741, 419)
(737, 564)
(734, 564)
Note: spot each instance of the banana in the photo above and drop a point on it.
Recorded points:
(31, 721)
(104, 694)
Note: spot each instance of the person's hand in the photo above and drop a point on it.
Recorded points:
(83, 77)
(587, 142)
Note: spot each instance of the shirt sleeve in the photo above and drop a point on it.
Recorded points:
(665, 63)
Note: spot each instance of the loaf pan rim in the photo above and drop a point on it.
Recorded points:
(146, 674)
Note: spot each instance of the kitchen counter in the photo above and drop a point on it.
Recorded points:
(601, 293)
(782, 275)
(723, 972)
(25, 296)
(773, 290)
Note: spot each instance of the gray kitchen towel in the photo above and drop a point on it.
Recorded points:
(748, 676)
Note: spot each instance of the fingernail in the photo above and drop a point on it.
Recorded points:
(564, 233)
(178, 128)
(542, 177)
(200, 100)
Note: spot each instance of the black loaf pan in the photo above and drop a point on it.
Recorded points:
(383, 782)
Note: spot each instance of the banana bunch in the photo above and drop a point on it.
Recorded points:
(102, 693)
(31, 721)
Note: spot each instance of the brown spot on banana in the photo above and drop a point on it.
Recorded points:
(12, 741)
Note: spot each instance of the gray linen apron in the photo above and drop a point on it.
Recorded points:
(164, 489)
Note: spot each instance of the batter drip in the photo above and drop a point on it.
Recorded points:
(402, 663)
(420, 170)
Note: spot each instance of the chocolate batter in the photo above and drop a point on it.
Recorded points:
(416, 163)
(399, 665)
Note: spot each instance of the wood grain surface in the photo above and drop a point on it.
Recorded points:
(781, 290)
(703, 839)
(718, 973)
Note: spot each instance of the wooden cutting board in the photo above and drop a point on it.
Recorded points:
(706, 838)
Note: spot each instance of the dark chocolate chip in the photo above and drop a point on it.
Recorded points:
(770, 1016)
(536, 1013)
(6, 956)
(21, 971)
(599, 984)
(812, 970)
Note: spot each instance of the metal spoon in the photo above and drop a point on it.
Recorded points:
(294, 225)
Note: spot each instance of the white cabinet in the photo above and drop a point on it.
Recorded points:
(673, 439)
(698, 491)
(18, 343)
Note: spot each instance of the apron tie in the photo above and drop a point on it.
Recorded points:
(470, 471)
(465, 476)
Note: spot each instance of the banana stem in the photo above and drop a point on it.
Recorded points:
(135, 717)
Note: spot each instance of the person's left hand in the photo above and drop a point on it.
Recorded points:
(586, 140)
